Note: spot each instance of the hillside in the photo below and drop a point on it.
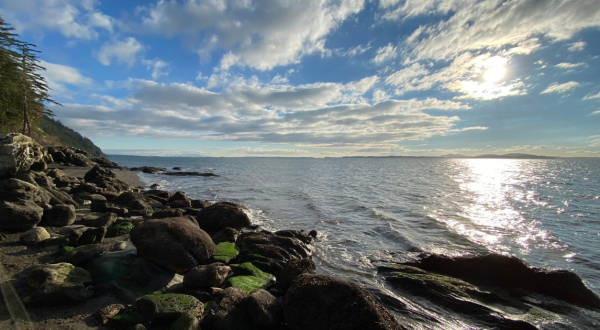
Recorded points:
(55, 133)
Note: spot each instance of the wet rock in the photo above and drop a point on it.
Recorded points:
(119, 229)
(105, 220)
(200, 204)
(106, 313)
(326, 303)
(222, 215)
(180, 204)
(168, 213)
(149, 169)
(225, 252)
(264, 309)
(18, 153)
(510, 272)
(248, 277)
(305, 238)
(204, 276)
(175, 243)
(232, 313)
(59, 216)
(168, 306)
(226, 235)
(293, 269)
(189, 174)
(34, 236)
(98, 171)
(292, 246)
(57, 284)
(186, 321)
(19, 216)
(159, 193)
(80, 256)
(84, 236)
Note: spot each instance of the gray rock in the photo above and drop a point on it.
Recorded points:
(58, 284)
(98, 171)
(105, 220)
(59, 215)
(264, 309)
(20, 216)
(14, 190)
(174, 243)
(168, 213)
(119, 246)
(34, 236)
(18, 153)
(204, 276)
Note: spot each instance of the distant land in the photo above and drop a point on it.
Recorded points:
(505, 156)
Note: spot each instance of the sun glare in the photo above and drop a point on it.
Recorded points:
(495, 73)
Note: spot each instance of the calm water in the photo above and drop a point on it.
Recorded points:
(546, 212)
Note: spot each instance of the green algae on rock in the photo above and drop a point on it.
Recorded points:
(226, 251)
(249, 269)
(58, 284)
(247, 283)
(119, 229)
(168, 306)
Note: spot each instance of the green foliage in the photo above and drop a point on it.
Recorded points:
(68, 137)
(24, 92)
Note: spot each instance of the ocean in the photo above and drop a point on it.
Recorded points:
(368, 210)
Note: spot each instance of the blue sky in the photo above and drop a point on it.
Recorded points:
(322, 78)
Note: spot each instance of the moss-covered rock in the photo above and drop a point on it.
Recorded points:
(58, 284)
(124, 321)
(186, 321)
(249, 269)
(119, 229)
(168, 306)
(225, 252)
(247, 283)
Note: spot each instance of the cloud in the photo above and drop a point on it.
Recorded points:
(560, 88)
(57, 75)
(157, 65)
(384, 54)
(597, 112)
(72, 18)
(592, 96)
(260, 35)
(568, 66)
(489, 24)
(353, 51)
(124, 51)
(577, 46)
(250, 111)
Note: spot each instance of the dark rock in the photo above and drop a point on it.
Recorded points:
(222, 215)
(200, 204)
(61, 197)
(292, 246)
(85, 187)
(326, 303)
(106, 313)
(293, 269)
(20, 216)
(186, 321)
(168, 213)
(163, 201)
(178, 196)
(15, 190)
(154, 186)
(104, 207)
(57, 284)
(189, 174)
(177, 168)
(80, 256)
(264, 309)
(39, 166)
(134, 201)
(111, 184)
(149, 169)
(204, 276)
(104, 162)
(232, 313)
(84, 236)
(175, 243)
(59, 215)
(306, 239)
(180, 204)
(105, 220)
(168, 306)
(96, 172)
(510, 272)
(96, 198)
(159, 193)
(118, 229)
(226, 235)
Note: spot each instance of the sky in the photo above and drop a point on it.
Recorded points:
(322, 78)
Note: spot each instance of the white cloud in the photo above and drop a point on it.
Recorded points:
(72, 18)
(577, 46)
(560, 88)
(124, 51)
(363, 85)
(597, 112)
(592, 96)
(489, 24)
(380, 96)
(568, 66)
(57, 75)
(353, 51)
(261, 35)
(157, 65)
(384, 54)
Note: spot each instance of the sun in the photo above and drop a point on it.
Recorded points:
(495, 73)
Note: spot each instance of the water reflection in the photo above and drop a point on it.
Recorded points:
(493, 192)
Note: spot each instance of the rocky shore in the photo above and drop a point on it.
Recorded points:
(84, 247)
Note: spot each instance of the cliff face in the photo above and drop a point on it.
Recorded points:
(53, 133)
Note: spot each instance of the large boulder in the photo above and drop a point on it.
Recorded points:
(59, 215)
(19, 216)
(58, 284)
(222, 215)
(18, 153)
(168, 306)
(295, 268)
(232, 312)
(205, 276)
(34, 236)
(97, 171)
(13, 190)
(326, 303)
(264, 309)
(134, 201)
(80, 256)
(174, 243)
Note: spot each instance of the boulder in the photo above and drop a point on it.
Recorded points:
(248, 277)
(179, 204)
(205, 276)
(80, 256)
(168, 306)
(200, 204)
(106, 313)
(174, 243)
(14, 190)
(110, 184)
(326, 303)
(186, 321)
(104, 162)
(178, 196)
(85, 236)
(148, 169)
(105, 207)
(59, 215)
(34, 236)
(18, 153)
(118, 229)
(57, 284)
(293, 246)
(105, 220)
(222, 215)
(231, 312)
(98, 171)
(19, 216)
(305, 238)
(264, 309)
(295, 268)
(226, 252)
(226, 235)
(134, 201)
(168, 213)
